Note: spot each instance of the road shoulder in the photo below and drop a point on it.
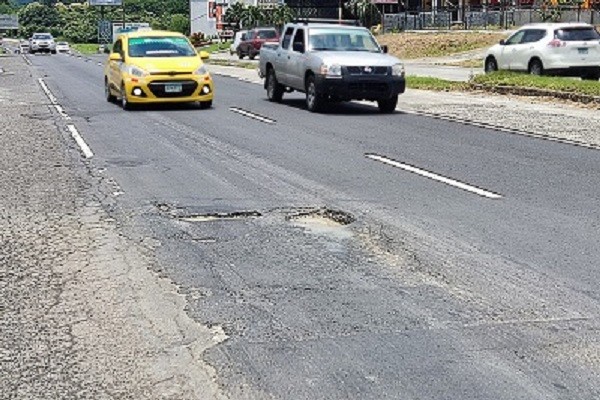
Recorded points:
(83, 315)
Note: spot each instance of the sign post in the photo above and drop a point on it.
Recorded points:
(104, 26)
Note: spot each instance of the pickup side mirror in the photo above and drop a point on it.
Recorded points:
(115, 57)
(384, 49)
(299, 47)
(503, 42)
(204, 55)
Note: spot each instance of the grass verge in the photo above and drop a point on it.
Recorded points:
(233, 63)
(409, 45)
(214, 47)
(427, 83)
(85, 48)
(546, 83)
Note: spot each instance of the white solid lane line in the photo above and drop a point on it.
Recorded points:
(85, 149)
(252, 115)
(53, 100)
(435, 177)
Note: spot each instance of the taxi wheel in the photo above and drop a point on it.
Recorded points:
(204, 105)
(109, 96)
(124, 103)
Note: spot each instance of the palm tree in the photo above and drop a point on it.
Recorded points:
(234, 14)
(252, 17)
(281, 15)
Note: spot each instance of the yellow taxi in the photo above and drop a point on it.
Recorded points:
(157, 67)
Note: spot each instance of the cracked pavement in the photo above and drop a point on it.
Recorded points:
(81, 314)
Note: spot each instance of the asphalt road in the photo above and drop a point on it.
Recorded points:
(432, 292)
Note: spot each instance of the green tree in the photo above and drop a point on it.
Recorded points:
(252, 17)
(36, 17)
(234, 14)
(179, 23)
(281, 15)
(80, 23)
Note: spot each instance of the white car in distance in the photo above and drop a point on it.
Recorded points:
(63, 47)
(568, 49)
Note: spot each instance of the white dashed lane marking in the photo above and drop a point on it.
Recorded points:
(435, 177)
(249, 114)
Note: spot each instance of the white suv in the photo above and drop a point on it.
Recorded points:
(570, 49)
(42, 43)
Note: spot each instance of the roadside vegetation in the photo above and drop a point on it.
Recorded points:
(411, 45)
(427, 83)
(550, 83)
(85, 48)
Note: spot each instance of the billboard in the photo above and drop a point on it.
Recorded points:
(9, 21)
(105, 2)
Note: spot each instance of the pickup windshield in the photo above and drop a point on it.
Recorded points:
(160, 47)
(341, 39)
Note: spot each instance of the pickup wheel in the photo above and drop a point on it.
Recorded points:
(274, 89)
(314, 100)
(388, 106)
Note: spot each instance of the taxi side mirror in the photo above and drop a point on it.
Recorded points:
(115, 57)
(204, 55)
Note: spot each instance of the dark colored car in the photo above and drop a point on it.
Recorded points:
(253, 40)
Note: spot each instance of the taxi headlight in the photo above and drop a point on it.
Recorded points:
(331, 70)
(136, 71)
(398, 70)
(201, 71)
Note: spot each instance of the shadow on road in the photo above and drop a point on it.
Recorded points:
(338, 108)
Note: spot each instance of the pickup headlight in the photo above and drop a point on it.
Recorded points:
(136, 71)
(201, 71)
(333, 70)
(398, 70)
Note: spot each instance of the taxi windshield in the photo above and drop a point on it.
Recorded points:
(160, 47)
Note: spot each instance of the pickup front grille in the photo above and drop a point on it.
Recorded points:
(368, 87)
(367, 70)
(187, 88)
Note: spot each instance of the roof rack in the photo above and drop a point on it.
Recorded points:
(305, 21)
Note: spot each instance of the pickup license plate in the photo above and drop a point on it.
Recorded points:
(173, 88)
(582, 50)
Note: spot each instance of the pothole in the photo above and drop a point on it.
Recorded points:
(321, 216)
(226, 216)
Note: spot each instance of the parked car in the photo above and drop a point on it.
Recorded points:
(42, 43)
(237, 39)
(157, 67)
(24, 46)
(63, 47)
(331, 63)
(568, 49)
(254, 39)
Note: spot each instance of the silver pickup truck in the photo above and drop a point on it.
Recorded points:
(331, 62)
